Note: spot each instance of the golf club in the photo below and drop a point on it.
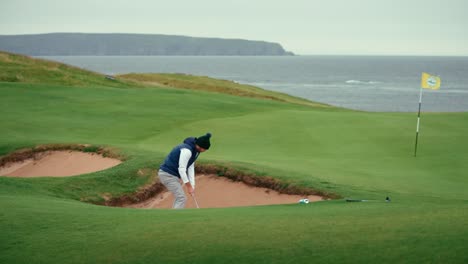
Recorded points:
(195, 199)
(387, 199)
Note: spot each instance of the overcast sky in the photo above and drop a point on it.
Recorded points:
(387, 27)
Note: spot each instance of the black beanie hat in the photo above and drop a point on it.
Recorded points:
(204, 141)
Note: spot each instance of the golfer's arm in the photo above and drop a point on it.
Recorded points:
(184, 158)
(191, 174)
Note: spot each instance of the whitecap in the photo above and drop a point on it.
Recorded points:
(361, 82)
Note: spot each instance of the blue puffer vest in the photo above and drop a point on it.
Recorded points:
(171, 163)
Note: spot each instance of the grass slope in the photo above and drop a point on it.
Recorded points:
(203, 83)
(354, 154)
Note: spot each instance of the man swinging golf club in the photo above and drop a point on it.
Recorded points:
(179, 165)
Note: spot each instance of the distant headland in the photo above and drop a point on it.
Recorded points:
(120, 44)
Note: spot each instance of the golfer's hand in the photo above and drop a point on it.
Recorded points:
(190, 189)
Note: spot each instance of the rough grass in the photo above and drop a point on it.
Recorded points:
(24, 69)
(203, 83)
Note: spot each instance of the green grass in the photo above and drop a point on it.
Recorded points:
(349, 153)
(326, 232)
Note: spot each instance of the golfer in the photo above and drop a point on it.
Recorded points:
(179, 166)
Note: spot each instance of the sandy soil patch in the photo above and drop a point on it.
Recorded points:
(58, 164)
(213, 191)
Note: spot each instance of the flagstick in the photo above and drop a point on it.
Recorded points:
(417, 125)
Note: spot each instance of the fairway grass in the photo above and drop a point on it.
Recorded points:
(66, 231)
(348, 153)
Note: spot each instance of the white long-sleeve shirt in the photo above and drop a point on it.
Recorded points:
(186, 174)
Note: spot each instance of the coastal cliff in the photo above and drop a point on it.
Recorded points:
(85, 44)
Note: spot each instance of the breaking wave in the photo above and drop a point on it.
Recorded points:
(361, 82)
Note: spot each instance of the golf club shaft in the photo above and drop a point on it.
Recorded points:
(195, 199)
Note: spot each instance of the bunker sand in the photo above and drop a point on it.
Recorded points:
(58, 164)
(211, 191)
(214, 192)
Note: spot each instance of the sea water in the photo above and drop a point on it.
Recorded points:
(368, 83)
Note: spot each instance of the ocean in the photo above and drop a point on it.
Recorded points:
(367, 83)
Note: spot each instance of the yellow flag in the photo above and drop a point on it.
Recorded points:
(430, 81)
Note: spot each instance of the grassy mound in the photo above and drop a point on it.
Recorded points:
(203, 83)
(24, 69)
(352, 154)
